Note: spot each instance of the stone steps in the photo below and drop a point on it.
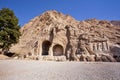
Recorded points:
(52, 58)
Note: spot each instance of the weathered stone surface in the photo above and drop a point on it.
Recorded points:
(53, 34)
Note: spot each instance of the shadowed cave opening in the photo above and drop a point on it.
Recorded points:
(45, 47)
(57, 50)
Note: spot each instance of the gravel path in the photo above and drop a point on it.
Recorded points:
(41, 70)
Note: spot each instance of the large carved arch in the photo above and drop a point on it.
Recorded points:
(45, 47)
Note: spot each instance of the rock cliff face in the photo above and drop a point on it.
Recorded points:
(55, 36)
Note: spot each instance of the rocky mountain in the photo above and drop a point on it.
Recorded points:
(55, 36)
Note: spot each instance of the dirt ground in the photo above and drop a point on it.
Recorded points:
(50, 70)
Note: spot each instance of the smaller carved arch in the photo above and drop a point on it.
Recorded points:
(58, 50)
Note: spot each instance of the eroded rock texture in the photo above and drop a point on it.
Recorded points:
(55, 36)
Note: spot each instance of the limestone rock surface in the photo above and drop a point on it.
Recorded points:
(56, 36)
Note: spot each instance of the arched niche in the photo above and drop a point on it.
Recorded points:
(45, 47)
(57, 50)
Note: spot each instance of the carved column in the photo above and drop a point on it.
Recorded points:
(100, 46)
(107, 45)
(95, 46)
(51, 50)
(63, 49)
(103, 47)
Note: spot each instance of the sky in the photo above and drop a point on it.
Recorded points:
(25, 10)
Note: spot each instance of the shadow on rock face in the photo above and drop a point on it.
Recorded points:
(115, 50)
(9, 54)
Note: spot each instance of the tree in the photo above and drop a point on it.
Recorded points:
(9, 29)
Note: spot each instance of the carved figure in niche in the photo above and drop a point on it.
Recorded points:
(68, 53)
(78, 51)
(51, 34)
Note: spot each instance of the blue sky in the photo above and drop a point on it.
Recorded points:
(79, 9)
